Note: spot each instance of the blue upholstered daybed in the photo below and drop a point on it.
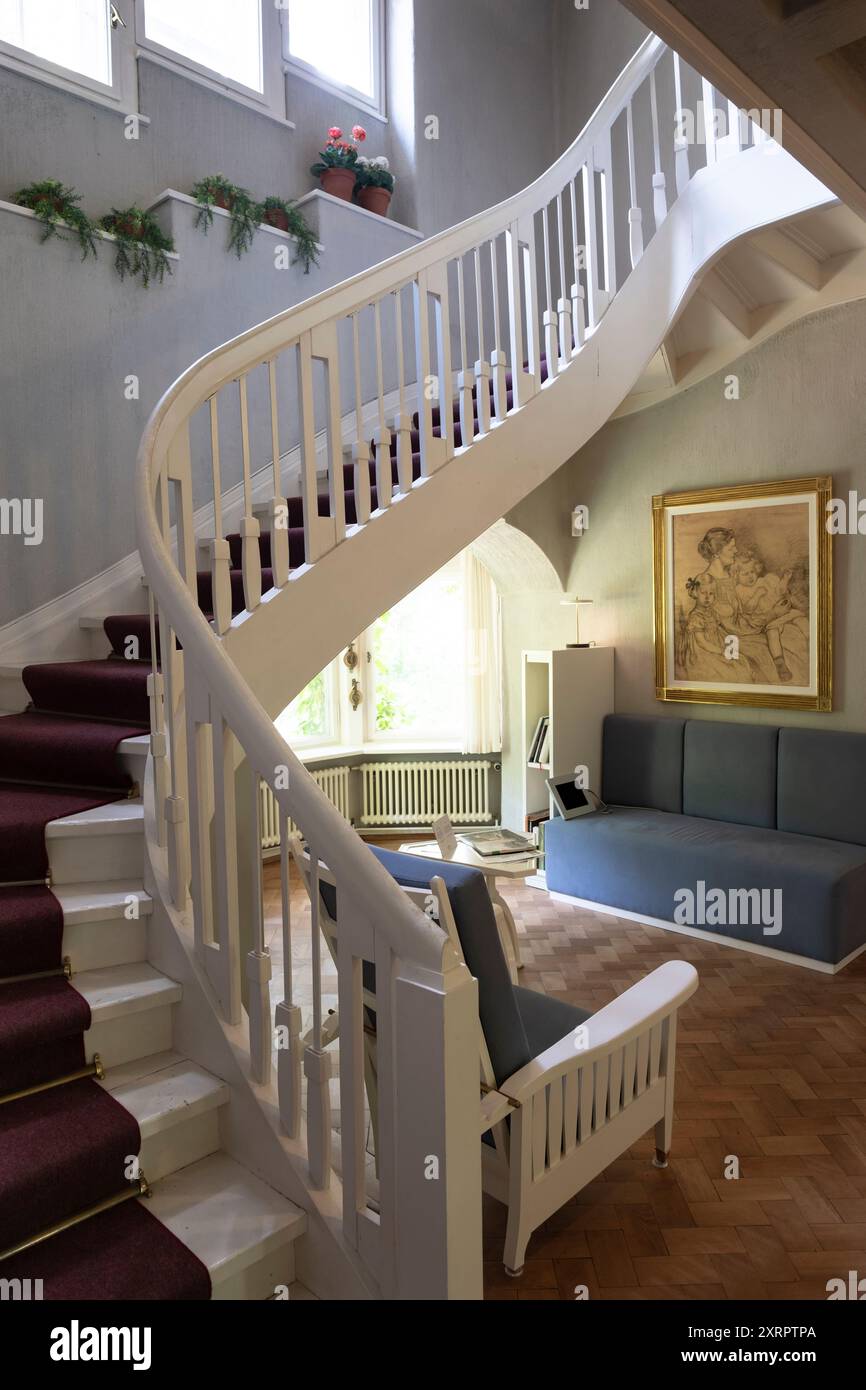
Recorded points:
(733, 807)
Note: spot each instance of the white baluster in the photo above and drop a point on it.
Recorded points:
(464, 379)
(482, 366)
(276, 511)
(551, 323)
(660, 198)
(175, 806)
(382, 435)
(223, 954)
(158, 746)
(498, 358)
(200, 784)
(594, 300)
(361, 447)
(287, 1015)
(314, 533)
(251, 555)
(326, 349)
(317, 1062)
(220, 554)
(578, 293)
(635, 215)
(402, 423)
(681, 144)
(566, 328)
(709, 108)
(258, 959)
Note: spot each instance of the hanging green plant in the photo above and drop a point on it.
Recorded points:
(57, 208)
(278, 212)
(216, 191)
(141, 245)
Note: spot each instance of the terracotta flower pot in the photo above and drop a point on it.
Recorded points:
(222, 200)
(275, 217)
(376, 200)
(340, 183)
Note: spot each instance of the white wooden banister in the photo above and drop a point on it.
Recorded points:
(346, 376)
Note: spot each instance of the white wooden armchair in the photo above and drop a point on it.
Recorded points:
(596, 1085)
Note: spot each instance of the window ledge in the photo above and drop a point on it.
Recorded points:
(172, 195)
(319, 195)
(367, 750)
(98, 232)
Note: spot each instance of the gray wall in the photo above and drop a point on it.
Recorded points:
(802, 412)
(591, 48)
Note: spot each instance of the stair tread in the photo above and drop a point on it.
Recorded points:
(96, 902)
(166, 1095)
(225, 1215)
(125, 989)
(116, 817)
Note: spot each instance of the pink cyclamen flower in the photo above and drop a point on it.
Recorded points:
(335, 133)
(358, 132)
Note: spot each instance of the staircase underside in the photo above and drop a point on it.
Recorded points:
(760, 286)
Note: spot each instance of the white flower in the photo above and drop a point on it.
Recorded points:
(381, 163)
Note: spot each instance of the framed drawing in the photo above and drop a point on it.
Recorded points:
(744, 595)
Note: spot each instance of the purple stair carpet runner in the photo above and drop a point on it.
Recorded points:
(66, 1148)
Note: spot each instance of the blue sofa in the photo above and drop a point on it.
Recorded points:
(731, 807)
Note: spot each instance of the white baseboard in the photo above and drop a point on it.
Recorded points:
(788, 957)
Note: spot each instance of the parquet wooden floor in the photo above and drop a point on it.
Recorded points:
(771, 1069)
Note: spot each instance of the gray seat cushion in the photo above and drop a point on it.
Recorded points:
(546, 1020)
(822, 784)
(516, 1028)
(729, 772)
(643, 762)
(638, 859)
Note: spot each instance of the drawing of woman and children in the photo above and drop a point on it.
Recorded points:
(736, 598)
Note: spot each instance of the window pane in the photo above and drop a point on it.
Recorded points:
(310, 716)
(74, 34)
(417, 663)
(337, 38)
(223, 35)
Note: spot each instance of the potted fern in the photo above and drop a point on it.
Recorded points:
(141, 244)
(337, 163)
(374, 185)
(284, 215)
(57, 208)
(217, 191)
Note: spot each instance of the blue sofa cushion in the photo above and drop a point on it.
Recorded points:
(643, 762)
(638, 859)
(822, 784)
(729, 772)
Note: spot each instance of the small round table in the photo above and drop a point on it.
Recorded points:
(516, 866)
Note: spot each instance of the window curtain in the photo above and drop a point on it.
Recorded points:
(482, 660)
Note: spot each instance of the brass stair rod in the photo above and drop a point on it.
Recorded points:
(140, 1188)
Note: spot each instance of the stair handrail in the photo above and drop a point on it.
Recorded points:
(423, 1239)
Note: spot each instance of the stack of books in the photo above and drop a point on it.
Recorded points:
(539, 746)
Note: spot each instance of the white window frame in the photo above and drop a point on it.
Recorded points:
(270, 101)
(375, 106)
(333, 700)
(120, 95)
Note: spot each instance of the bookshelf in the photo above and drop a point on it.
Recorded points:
(573, 689)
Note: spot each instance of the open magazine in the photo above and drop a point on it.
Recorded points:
(497, 842)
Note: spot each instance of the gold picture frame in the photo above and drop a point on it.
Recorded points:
(743, 595)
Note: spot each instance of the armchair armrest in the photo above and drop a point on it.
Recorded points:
(633, 1013)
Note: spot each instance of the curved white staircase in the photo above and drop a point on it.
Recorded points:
(524, 302)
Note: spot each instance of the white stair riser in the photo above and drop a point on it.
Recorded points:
(182, 1143)
(95, 858)
(130, 1036)
(134, 763)
(97, 945)
(260, 1279)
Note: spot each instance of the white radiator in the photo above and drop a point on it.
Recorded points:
(334, 782)
(417, 793)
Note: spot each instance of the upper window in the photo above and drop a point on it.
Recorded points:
(70, 34)
(338, 43)
(222, 36)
